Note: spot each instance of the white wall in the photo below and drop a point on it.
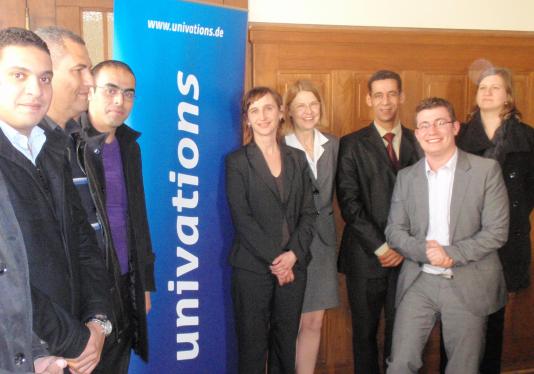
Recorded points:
(517, 15)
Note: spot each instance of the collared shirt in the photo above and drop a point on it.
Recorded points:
(318, 140)
(29, 146)
(397, 130)
(51, 123)
(440, 183)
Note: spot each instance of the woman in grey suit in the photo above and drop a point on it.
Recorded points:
(270, 196)
(304, 112)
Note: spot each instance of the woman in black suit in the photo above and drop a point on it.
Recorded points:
(494, 130)
(270, 196)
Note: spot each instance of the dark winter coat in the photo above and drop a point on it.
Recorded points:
(88, 144)
(517, 163)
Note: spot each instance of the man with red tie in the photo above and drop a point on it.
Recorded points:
(368, 162)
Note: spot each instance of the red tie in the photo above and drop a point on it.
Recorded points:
(391, 152)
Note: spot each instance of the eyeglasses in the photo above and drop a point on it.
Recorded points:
(314, 106)
(440, 123)
(110, 90)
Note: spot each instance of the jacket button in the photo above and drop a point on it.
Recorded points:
(515, 203)
(96, 151)
(3, 268)
(20, 359)
(512, 175)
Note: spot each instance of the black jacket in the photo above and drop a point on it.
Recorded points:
(19, 346)
(67, 276)
(258, 211)
(365, 180)
(89, 143)
(518, 172)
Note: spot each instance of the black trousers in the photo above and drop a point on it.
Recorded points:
(491, 361)
(267, 320)
(117, 349)
(367, 299)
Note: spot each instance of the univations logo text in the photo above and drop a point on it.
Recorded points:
(186, 202)
(183, 27)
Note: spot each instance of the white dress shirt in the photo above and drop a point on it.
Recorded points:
(440, 183)
(318, 140)
(28, 146)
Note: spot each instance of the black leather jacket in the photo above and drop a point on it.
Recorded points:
(88, 143)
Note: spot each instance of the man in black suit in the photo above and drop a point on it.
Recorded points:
(68, 280)
(368, 162)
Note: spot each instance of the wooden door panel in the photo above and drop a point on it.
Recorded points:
(453, 87)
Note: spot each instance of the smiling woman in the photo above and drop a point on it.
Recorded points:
(270, 196)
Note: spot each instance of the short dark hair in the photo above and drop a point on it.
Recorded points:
(250, 97)
(55, 36)
(435, 102)
(16, 36)
(384, 74)
(111, 64)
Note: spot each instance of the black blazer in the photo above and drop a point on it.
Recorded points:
(258, 211)
(517, 166)
(365, 181)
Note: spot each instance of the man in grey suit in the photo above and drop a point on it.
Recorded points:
(448, 218)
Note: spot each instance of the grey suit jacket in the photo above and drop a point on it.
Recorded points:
(324, 191)
(478, 228)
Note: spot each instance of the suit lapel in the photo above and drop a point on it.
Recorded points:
(407, 148)
(288, 170)
(419, 185)
(460, 184)
(324, 163)
(258, 163)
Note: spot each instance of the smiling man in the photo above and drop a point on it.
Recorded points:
(448, 217)
(62, 254)
(111, 159)
(368, 162)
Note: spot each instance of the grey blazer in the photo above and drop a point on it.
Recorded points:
(478, 228)
(324, 191)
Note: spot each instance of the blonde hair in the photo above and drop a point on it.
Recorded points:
(291, 93)
(509, 110)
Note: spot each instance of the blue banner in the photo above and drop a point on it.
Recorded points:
(189, 64)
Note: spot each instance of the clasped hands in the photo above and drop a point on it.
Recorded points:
(437, 255)
(282, 267)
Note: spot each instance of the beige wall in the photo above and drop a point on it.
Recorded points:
(516, 15)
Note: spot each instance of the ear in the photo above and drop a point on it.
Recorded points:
(401, 98)
(456, 127)
(368, 100)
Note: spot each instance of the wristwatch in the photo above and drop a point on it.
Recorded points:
(103, 321)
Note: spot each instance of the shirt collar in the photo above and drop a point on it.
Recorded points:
(16, 137)
(318, 140)
(51, 123)
(382, 131)
(449, 165)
